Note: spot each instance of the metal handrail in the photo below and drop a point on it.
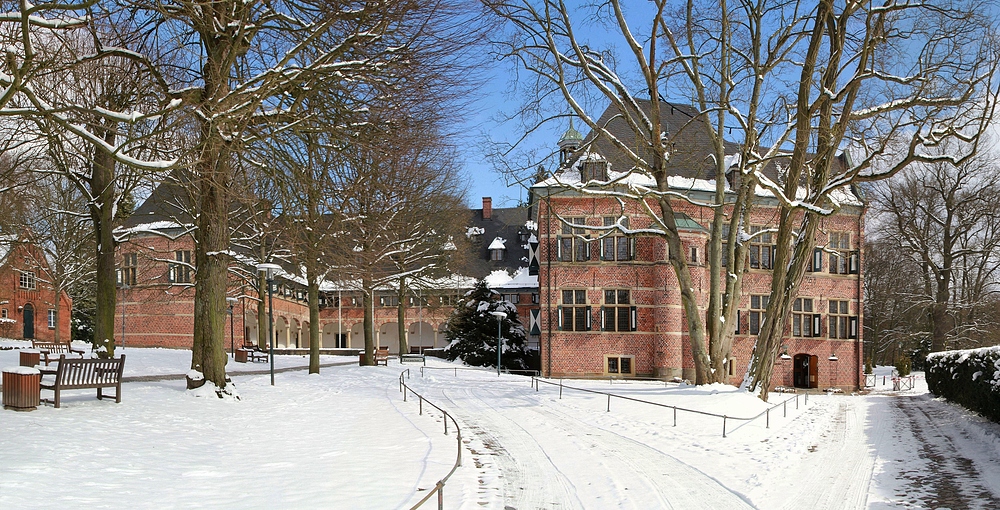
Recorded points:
(439, 486)
(533, 373)
(725, 418)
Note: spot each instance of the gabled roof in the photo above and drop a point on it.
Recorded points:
(502, 228)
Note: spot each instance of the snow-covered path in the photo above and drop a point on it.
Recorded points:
(549, 457)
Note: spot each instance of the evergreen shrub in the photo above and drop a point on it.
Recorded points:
(970, 378)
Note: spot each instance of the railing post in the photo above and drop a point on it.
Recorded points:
(459, 434)
(404, 393)
(421, 405)
(807, 399)
(784, 405)
(407, 373)
(796, 403)
(445, 420)
(767, 418)
(723, 426)
(609, 403)
(675, 416)
(440, 496)
(560, 389)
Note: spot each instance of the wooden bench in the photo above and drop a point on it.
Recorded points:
(77, 374)
(255, 353)
(50, 350)
(382, 357)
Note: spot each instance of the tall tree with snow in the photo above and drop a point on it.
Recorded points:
(474, 332)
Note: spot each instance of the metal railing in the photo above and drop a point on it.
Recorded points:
(533, 373)
(725, 418)
(439, 486)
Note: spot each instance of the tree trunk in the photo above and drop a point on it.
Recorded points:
(313, 321)
(368, 297)
(102, 187)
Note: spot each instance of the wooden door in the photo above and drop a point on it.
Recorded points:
(813, 372)
(29, 321)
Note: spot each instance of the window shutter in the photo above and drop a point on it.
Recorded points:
(634, 318)
(559, 322)
(590, 318)
(817, 260)
(631, 248)
(736, 329)
(853, 327)
(852, 265)
(559, 253)
(817, 324)
(586, 248)
(604, 319)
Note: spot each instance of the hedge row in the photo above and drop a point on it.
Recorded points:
(970, 378)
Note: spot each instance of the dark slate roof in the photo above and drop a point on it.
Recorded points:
(169, 201)
(506, 223)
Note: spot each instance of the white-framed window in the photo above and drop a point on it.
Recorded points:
(574, 244)
(3, 313)
(618, 314)
(180, 271)
(52, 319)
(511, 298)
(617, 247)
(757, 306)
(805, 323)
(574, 314)
(619, 365)
(27, 280)
(388, 301)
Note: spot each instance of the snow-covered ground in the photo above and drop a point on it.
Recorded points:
(346, 439)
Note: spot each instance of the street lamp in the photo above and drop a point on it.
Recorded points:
(268, 270)
(500, 317)
(232, 332)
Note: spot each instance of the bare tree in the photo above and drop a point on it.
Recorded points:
(945, 218)
(795, 82)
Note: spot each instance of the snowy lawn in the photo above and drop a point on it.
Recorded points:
(346, 439)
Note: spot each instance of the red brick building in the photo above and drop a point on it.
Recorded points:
(611, 306)
(29, 306)
(156, 286)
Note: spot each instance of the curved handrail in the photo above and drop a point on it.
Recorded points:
(725, 418)
(439, 486)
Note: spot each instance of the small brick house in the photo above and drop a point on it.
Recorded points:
(611, 306)
(29, 305)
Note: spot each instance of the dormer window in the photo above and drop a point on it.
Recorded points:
(594, 170)
(498, 251)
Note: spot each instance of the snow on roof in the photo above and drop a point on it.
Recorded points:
(520, 280)
(474, 231)
(531, 225)
(154, 227)
(497, 244)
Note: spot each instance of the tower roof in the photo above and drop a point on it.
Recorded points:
(571, 136)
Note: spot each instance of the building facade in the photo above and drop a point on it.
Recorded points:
(610, 306)
(30, 308)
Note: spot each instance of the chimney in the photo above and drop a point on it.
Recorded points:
(487, 208)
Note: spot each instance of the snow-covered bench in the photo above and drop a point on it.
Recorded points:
(77, 374)
(51, 350)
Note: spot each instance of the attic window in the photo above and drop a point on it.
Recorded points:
(498, 250)
(594, 170)
(27, 280)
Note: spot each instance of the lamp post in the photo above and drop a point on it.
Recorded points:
(500, 317)
(268, 269)
(232, 331)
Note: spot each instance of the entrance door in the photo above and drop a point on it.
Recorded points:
(800, 372)
(29, 321)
